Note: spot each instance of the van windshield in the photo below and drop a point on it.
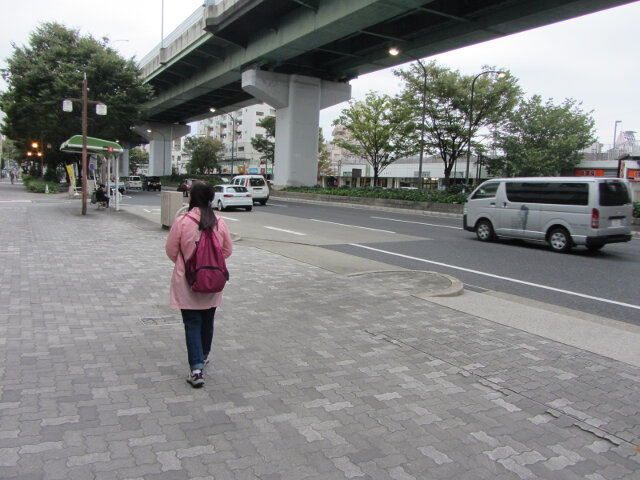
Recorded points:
(614, 193)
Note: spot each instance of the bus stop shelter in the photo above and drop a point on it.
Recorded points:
(96, 146)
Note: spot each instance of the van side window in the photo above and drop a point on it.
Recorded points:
(613, 194)
(487, 191)
(256, 182)
(554, 193)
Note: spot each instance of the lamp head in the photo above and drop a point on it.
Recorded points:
(393, 51)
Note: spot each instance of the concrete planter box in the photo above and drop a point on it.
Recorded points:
(450, 208)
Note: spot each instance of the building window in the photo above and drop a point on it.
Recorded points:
(259, 114)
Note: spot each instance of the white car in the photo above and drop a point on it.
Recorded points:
(257, 186)
(134, 183)
(232, 196)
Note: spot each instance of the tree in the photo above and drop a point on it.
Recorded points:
(50, 69)
(204, 154)
(542, 139)
(265, 144)
(324, 162)
(137, 157)
(9, 153)
(447, 102)
(379, 129)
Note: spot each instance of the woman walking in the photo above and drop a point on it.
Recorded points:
(198, 309)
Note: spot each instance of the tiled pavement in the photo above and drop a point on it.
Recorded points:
(314, 376)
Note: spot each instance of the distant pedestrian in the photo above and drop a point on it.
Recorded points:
(198, 309)
(12, 174)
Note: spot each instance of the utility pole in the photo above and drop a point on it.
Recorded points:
(101, 109)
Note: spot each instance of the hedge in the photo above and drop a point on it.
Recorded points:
(435, 196)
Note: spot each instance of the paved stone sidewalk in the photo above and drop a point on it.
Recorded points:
(314, 376)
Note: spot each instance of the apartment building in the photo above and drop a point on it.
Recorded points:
(235, 130)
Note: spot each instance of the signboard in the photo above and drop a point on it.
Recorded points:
(253, 170)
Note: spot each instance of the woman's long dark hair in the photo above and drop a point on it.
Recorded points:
(201, 196)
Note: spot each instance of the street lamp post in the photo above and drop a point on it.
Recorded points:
(233, 139)
(394, 51)
(101, 109)
(473, 84)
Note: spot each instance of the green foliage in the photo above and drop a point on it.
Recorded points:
(38, 185)
(542, 139)
(434, 196)
(10, 153)
(447, 98)
(204, 154)
(379, 129)
(137, 158)
(265, 144)
(50, 69)
(636, 209)
(324, 161)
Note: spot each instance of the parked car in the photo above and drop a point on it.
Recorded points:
(560, 211)
(232, 196)
(185, 186)
(133, 183)
(256, 184)
(152, 183)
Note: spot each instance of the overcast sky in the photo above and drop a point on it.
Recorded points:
(594, 59)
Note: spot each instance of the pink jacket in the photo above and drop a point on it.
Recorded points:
(180, 245)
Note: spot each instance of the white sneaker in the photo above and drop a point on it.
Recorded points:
(195, 379)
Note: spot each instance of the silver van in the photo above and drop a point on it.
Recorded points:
(561, 211)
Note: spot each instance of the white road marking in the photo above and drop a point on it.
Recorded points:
(285, 231)
(500, 277)
(352, 226)
(148, 211)
(419, 223)
(232, 219)
(15, 201)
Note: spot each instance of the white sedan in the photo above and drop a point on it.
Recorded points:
(232, 196)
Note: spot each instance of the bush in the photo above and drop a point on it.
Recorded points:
(434, 196)
(38, 184)
(636, 209)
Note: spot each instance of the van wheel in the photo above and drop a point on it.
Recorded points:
(220, 207)
(559, 240)
(484, 231)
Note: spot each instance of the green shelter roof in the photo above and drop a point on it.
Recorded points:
(94, 145)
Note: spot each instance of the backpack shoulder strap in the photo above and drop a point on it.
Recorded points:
(192, 218)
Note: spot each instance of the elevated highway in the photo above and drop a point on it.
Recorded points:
(299, 55)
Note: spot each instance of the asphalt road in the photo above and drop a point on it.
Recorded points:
(603, 283)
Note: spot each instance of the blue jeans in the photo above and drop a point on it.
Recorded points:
(198, 329)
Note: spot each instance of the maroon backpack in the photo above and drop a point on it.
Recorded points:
(206, 270)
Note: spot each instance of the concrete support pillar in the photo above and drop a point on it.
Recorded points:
(298, 100)
(160, 136)
(123, 166)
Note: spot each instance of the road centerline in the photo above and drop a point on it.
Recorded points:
(500, 277)
(417, 223)
(351, 226)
